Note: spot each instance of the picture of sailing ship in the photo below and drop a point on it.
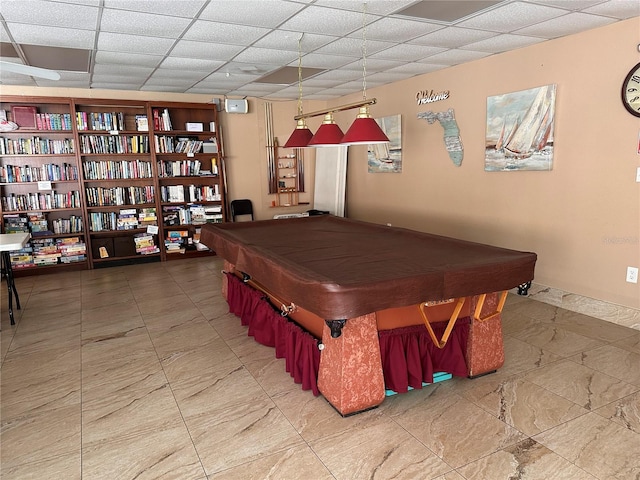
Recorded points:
(387, 157)
(519, 133)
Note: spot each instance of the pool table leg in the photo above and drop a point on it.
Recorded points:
(350, 375)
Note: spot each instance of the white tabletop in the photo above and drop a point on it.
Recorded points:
(13, 241)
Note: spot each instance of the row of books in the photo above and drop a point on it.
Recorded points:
(40, 201)
(189, 193)
(166, 144)
(49, 251)
(126, 219)
(114, 144)
(36, 146)
(100, 121)
(191, 214)
(109, 196)
(145, 244)
(112, 169)
(53, 121)
(179, 168)
(37, 224)
(48, 171)
(161, 120)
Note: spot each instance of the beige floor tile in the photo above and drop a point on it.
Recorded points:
(240, 434)
(587, 387)
(167, 454)
(455, 429)
(378, 448)
(198, 361)
(631, 343)
(40, 365)
(28, 395)
(625, 412)
(617, 362)
(524, 405)
(36, 341)
(453, 475)
(594, 444)
(521, 356)
(67, 466)
(527, 460)
(217, 390)
(136, 411)
(197, 332)
(94, 298)
(40, 436)
(590, 327)
(172, 318)
(295, 463)
(556, 339)
(34, 321)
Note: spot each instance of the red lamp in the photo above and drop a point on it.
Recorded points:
(364, 130)
(300, 137)
(328, 135)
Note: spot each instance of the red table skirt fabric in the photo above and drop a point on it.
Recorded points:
(298, 347)
(408, 354)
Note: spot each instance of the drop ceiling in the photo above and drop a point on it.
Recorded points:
(240, 48)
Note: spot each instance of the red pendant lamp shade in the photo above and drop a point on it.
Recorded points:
(364, 130)
(329, 133)
(300, 137)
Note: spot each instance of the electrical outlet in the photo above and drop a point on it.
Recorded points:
(638, 174)
(632, 274)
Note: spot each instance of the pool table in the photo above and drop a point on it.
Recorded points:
(347, 282)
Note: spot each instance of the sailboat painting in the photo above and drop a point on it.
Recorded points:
(519, 133)
(387, 157)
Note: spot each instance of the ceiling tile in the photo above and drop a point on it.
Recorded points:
(138, 72)
(52, 36)
(263, 13)
(119, 42)
(378, 7)
(512, 16)
(205, 31)
(162, 88)
(396, 30)
(326, 21)
(451, 37)
(570, 23)
(170, 81)
(178, 63)
(454, 57)
(115, 86)
(266, 55)
(406, 52)
(315, 60)
(353, 47)
(39, 12)
(103, 57)
(374, 65)
(42, 82)
(288, 40)
(181, 8)
(413, 69)
(620, 9)
(190, 75)
(204, 50)
(145, 24)
(502, 43)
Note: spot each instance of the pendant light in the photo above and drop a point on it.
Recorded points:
(329, 134)
(364, 130)
(301, 135)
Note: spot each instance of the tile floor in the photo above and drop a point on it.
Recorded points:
(139, 372)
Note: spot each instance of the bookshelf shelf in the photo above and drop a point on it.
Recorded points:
(112, 146)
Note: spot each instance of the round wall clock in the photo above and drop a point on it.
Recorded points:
(631, 91)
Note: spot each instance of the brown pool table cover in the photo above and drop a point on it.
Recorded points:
(343, 268)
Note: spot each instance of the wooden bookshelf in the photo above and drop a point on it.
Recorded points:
(40, 184)
(126, 158)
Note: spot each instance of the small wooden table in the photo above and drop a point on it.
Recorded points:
(8, 243)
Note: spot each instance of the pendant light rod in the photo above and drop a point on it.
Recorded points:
(349, 106)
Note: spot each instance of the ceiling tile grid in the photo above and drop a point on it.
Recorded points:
(226, 47)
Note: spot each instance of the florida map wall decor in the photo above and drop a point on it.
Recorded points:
(452, 141)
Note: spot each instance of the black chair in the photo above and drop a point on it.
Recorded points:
(241, 207)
